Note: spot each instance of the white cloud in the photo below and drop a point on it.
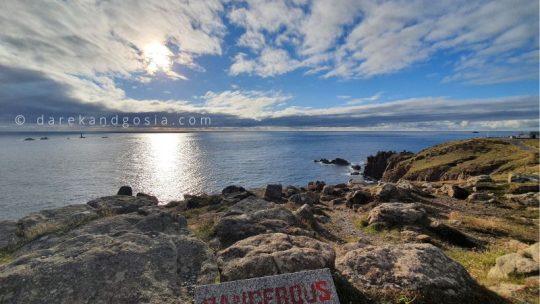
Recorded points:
(271, 62)
(361, 39)
(245, 104)
(84, 45)
(352, 101)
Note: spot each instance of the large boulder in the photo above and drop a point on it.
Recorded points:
(396, 192)
(316, 186)
(525, 262)
(127, 258)
(275, 253)
(421, 271)
(273, 193)
(125, 190)
(391, 214)
(233, 194)
(310, 198)
(235, 226)
(119, 204)
(359, 197)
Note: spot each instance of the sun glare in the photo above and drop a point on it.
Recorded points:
(157, 57)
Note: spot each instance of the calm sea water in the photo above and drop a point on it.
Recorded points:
(40, 174)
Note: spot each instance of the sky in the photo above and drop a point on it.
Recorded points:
(349, 64)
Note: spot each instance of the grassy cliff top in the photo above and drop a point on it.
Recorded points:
(452, 160)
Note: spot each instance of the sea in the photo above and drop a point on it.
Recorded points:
(66, 169)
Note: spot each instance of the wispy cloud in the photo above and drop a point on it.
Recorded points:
(361, 100)
(362, 39)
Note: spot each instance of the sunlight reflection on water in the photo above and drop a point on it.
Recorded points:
(56, 172)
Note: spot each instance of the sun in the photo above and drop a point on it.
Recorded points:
(157, 57)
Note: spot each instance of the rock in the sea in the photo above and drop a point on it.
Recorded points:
(310, 198)
(119, 259)
(125, 190)
(356, 167)
(337, 161)
(525, 262)
(273, 193)
(420, 270)
(316, 186)
(391, 214)
(274, 253)
(340, 162)
(119, 204)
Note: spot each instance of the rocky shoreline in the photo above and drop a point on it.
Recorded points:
(471, 239)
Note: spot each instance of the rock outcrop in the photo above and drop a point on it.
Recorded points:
(119, 204)
(129, 258)
(421, 271)
(275, 253)
(376, 164)
(525, 262)
(458, 160)
(397, 214)
(252, 217)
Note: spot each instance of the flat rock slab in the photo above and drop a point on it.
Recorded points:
(314, 286)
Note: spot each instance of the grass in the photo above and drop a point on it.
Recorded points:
(205, 231)
(360, 222)
(5, 257)
(474, 157)
(532, 142)
(477, 262)
(497, 226)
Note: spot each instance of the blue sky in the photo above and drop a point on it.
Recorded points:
(359, 64)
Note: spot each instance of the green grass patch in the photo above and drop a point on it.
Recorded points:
(477, 262)
(204, 230)
(5, 257)
(361, 222)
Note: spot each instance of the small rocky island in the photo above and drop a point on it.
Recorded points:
(455, 223)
